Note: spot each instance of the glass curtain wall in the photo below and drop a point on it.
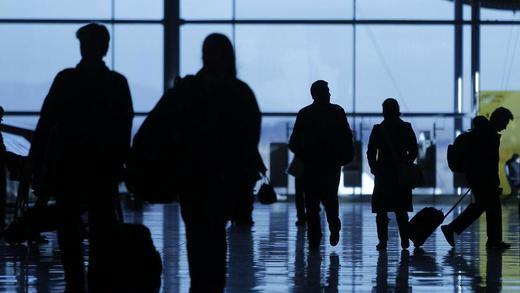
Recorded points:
(367, 50)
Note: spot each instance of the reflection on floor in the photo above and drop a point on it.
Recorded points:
(273, 257)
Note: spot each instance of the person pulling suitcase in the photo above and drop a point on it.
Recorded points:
(480, 166)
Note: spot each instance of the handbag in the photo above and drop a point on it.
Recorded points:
(409, 175)
(266, 194)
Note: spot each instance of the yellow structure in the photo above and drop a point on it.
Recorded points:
(510, 142)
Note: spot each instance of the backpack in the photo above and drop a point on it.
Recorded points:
(152, 168)
(459, 153)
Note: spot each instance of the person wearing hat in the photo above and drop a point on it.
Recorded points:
(78, 149)
(391, 143)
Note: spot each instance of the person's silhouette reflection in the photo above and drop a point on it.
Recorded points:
(382, 273)
(333, 277)
(494, 271)
(493, 278)
(299, 261)
(402, 276)
(241, 261)
(78, 149)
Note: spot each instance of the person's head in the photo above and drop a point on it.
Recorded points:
(500, 118)
(515, 156)
(93, 40)
(320, 91)
(391, 109)
(218, 56)
(479, 122)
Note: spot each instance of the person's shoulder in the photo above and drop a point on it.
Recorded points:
(117, 76)
(243, 86)
(66, 73)
(337, 108)
(306, 109)
(376, 127)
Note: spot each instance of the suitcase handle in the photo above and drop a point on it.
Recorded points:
(457, 203)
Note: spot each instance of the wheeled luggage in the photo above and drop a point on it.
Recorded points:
(426, 221)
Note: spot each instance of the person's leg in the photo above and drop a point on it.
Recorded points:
(206, 246)
(330, 202)
(102, 215)
(312, 209)
(70, 243)
(466, 218)
(402, 223)
(299, 200)
(382, 229)
(494, 219)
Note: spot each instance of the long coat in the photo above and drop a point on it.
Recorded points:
(83, 134)
(386, 138)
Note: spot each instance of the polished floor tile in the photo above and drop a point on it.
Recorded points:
(272, 256)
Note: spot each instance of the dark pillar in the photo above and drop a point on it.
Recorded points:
(458, 70)
(475, 54)
(171, 42)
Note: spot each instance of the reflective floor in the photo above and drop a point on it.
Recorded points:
(273, 257)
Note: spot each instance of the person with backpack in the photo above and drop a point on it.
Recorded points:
(476, 155)
(322, 139)
(213, 126)
(392, 146)
(78, 150)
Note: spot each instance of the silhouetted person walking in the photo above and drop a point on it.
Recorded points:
(512, 169)
(392, 143)
(322, 139)
(482, 178)
(3, 179)
(217, 122)
(78, 150)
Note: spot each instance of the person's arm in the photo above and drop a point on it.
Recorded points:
(45, 123)
(126, 118)
(372, 150)
(412, 148)
(296, 139)
(346, 138)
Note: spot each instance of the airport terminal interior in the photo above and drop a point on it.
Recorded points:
(444, 61)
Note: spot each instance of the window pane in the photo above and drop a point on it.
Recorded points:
(404, 9)
(139, 9)
(139, 56)
(82, 9)
(192, 37)
(281, 62)
(414, 64)
(500, 58)
(294, 9)
(206, 9)
(32, 55)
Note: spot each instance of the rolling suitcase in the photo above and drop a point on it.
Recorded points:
(426, 221)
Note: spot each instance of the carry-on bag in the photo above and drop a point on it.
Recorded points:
(426, 221)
